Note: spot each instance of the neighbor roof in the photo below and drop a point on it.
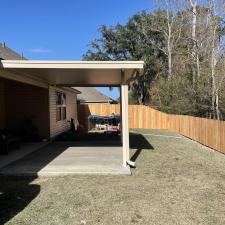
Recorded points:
(92, 95)
(8, 54)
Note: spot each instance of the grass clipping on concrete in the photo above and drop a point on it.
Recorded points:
(176, 181)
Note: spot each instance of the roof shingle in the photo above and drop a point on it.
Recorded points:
(92, 95)
(8, 54)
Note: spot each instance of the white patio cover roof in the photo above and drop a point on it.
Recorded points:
(73, 73)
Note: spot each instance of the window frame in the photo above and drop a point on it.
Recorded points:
(61, 115)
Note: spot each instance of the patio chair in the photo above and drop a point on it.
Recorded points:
(7, 140)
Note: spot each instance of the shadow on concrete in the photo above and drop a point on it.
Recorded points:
(15, 195)
(102, 139)
(140, 143)
(35, 161)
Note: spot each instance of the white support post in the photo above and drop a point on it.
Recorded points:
(125, 126)
(121, 122)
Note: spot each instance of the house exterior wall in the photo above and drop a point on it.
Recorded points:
(2, 104)
(24, 102)
(57, 127)
(19, 102)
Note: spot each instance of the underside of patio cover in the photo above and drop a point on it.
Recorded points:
(68, 73)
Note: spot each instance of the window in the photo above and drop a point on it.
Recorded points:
(60, 106)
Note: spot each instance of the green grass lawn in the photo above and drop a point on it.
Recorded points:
(176, 181)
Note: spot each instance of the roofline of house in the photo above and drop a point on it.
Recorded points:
(71, 89)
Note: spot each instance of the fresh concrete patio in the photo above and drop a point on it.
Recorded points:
(16, 154)
(62, 158)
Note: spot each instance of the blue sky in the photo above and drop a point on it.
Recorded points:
(61, 30)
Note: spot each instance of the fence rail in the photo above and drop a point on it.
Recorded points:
(206, 131)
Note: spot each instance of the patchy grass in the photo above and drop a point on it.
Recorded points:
(177, 181)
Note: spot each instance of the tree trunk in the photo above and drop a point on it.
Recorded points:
(217, 106)
(213, 78)
(213, 83)
(195, 56)
(198, 65)
(169, 49)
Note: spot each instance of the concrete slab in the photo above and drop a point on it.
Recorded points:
(16, 154)
(58, 159)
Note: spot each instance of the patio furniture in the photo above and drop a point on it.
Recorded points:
(8, 140)
(104, 124)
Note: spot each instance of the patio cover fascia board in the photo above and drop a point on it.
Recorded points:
(73, 64)
(66, 73)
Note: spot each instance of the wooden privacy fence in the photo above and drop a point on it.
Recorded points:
(206, 131)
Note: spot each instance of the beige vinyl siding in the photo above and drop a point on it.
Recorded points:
(2, 104)
(57, 127)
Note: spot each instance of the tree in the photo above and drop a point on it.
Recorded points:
(168, 22)
(127, 42)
